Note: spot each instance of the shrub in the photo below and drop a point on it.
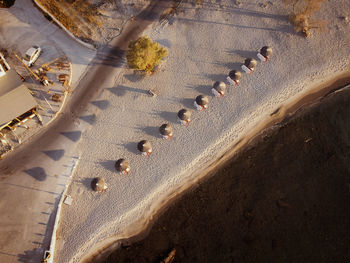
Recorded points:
(145, 54)
(302, 13)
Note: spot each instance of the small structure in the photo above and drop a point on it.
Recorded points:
(233, 77)
(184, 116)
(219, 88)
(98, 184)
(122, 166)
(144, 147)
(249, 65)
(265, 53)
(166, 131)
(201, 102)
(17, 105)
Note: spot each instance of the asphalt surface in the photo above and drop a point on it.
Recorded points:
(33, 176)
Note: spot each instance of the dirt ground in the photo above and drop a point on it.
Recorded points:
(94, 21)
(285, 198)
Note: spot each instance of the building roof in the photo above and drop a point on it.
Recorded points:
(9, 81)
(15, 103)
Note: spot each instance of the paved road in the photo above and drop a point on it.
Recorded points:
(33, 176)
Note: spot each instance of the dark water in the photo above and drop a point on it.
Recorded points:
(285, 198)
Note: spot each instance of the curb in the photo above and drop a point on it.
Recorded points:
(57, 217)
(87, 45)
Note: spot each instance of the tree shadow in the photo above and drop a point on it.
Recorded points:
(55, 155)
(90, 119)
(73, 135)
(108, 165)
(101, 104)
(135, 77)
(165, 42)
(37, 173)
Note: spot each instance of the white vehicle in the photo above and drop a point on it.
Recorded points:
(31, 55)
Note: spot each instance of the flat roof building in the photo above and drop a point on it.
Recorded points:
(15, 99)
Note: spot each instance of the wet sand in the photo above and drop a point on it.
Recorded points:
(282, 198)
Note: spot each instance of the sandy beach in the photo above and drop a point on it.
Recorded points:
(281, 198)
(204, 42)
(303, 105)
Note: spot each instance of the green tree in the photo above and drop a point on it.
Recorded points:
(145, 54)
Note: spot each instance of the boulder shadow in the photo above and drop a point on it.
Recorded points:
(37, 173)
(165, 42)
(135, 77)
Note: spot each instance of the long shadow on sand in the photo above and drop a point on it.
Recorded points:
(121, 90)
(188, 102)
(131, 147)
(150, 130)
(168, 116)
(108, 165)
(202, 89)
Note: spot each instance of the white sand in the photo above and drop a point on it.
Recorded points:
(204, 44)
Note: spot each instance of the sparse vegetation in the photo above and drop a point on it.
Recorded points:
(78, 16)
(145, 54)
(302, 13)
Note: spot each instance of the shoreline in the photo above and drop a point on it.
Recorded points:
(277, 117)
(299, 65)
(285, 193)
